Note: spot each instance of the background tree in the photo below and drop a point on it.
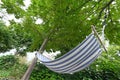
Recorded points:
(66, 22)
(69, 21)
(21, 38)
(6, 40)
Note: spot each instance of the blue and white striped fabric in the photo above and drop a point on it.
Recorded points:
(75, 60)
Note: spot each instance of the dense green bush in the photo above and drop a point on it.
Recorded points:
(40, 72)
(106, 67)
(5, 38)
(6, 62)
(11, 68)
(13, 36)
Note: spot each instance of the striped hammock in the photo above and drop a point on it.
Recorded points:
(75, 60)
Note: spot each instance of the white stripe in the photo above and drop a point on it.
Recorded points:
(71, 54)
(77, 56)
(73, 63)
(42, 58)
(87, 60)
(87, 64)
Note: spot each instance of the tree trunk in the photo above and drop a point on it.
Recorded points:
(29, 70)
(31, 66)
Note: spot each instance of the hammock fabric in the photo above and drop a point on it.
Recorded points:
(75, 60)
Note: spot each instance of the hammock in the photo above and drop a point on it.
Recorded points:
(75, 60)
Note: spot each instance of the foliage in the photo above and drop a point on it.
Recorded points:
(7, 62)
(5, 38)
(14, 36)
(40, 72)
(43, 73)
(66, 22)
(112, 28)
(10, 68)
(106, 67)
(21, 38)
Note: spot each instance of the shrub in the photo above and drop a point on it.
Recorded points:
(6, 39)
(106, 67)
(6, 62)
(10, 68)
(40, 72)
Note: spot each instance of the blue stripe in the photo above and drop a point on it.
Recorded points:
(84, 53)
(83, 61)
(74, 54)
(87, 64)
(77, 63)
(69, 51)
(64, 67)
(69, 70)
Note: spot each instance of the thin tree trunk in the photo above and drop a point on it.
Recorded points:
(29, 70)
(31, 66)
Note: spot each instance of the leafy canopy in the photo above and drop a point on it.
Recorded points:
(5, 38)
(67, 21)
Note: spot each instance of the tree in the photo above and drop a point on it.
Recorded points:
(6, 40)
(21, 38)
(68, 21)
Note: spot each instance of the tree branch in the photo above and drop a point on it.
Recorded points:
(104, 7)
